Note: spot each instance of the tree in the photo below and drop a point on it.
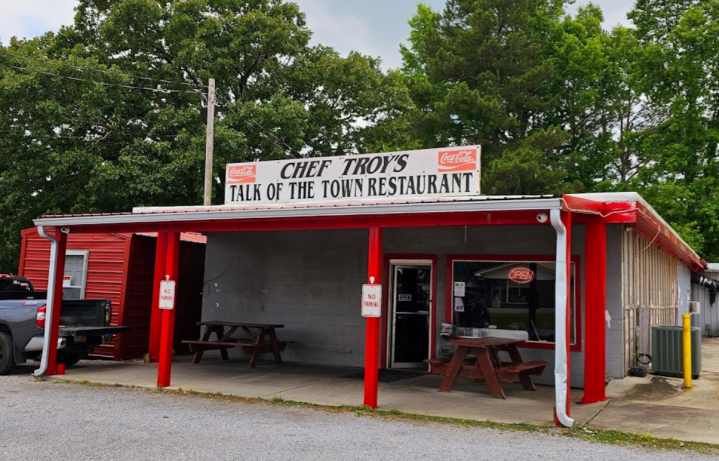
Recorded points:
(110, 113)
(479, 74)
(680, 76)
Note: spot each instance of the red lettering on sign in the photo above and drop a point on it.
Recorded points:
(521, 275)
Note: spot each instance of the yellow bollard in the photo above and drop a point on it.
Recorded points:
(687, 338)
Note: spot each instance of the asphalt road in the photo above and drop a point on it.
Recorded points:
(42, 420)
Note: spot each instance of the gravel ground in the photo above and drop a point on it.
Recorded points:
(42, 420)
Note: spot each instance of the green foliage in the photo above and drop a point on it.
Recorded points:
(479, 74)
(109, 113)
(561, 105)
(71, 145)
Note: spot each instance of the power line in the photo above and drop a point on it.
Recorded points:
(257, 124)
(109, 72)
(120, 85)
(156, 90)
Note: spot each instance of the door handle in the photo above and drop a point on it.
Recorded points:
(423, 312)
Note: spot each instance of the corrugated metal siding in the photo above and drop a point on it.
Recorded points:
(138, 297)
(106, 266)
(110, 257)
(709, 314)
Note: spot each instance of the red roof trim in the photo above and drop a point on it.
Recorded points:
(659, 234)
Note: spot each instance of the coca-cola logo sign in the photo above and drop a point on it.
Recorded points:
(521, 275)
(457, 160)
(242, 174)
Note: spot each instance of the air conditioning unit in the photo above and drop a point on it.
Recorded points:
(668, 351)
(694, 307)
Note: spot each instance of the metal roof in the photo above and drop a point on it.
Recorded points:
(355, 207)
(142, 217)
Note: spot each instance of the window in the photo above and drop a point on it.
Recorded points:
(75, 275)
(508, 294)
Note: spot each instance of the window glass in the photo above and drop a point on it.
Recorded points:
(511, 295)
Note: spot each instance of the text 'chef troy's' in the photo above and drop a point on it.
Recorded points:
(433, 172)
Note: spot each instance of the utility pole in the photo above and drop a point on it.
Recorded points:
(209, 141)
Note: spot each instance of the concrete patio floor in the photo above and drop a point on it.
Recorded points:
(660, 405)
(333, 386)
(654, 405)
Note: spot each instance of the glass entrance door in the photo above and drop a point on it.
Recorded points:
(411, 308)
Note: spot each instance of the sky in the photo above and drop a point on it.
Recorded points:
(373, 27)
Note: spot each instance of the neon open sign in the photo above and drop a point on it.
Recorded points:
(521, 275)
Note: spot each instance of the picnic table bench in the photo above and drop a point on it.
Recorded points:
(252, 343)
(484, 365)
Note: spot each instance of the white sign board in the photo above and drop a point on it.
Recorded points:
(459, 288)
(167, 294)
(371, 300)
(446, 172)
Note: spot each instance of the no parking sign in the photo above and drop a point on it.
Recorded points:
(371, 300)
(167, 294)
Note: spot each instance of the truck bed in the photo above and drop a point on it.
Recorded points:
(92, 331)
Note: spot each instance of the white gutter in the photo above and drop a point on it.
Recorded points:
(561, 380)
(221, 213)
(50, 301)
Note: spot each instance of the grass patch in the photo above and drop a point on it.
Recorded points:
(611, 437)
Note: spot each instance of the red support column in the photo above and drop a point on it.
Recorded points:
(596, 301)
(372, 344)
(56, 302)
(155, 312)
(567, 221)
(167, 333)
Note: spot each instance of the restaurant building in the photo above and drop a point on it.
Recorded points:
(296, 240)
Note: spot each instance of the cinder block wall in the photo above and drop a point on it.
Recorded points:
(310, 281)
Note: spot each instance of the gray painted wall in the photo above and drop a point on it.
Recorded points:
(311, 282)
(684, 279)
(709, 315)
(615, 305)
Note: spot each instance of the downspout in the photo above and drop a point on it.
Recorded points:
(560, 320)
(50, 300)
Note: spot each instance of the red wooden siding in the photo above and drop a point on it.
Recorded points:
(121, 267)
(138, 296)
(105, 269)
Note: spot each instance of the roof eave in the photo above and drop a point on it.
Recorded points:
(305, 212)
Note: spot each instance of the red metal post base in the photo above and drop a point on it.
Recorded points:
(372, 344)
(155, 312)
(164, 366)
(596, 302)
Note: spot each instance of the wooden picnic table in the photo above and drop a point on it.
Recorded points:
(484, 365)
(253, 342)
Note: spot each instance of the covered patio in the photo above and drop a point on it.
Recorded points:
(290, 258)
(550, 214)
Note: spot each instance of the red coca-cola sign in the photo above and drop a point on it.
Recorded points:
(457, 160)
(521, 275)
(241, 174)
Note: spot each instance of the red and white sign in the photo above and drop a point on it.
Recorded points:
(241, 174)
(457, 160)
(167, 294)
(371, 300)
(445, 172)
(521, 275)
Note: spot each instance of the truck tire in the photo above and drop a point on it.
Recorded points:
(69, 359)
(7, 354)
